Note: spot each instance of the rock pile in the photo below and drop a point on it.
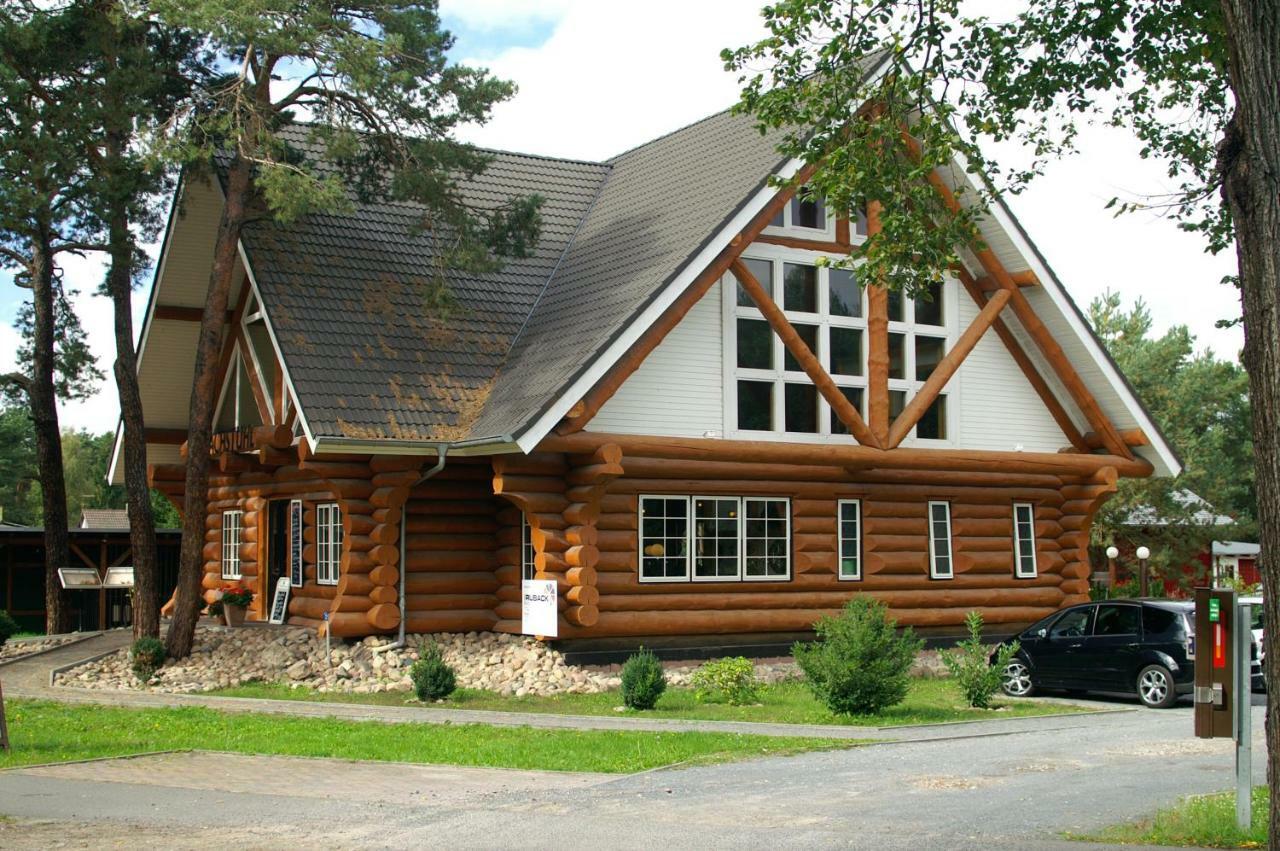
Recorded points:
(16, 648)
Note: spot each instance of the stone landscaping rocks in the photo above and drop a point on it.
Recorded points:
(16, 648)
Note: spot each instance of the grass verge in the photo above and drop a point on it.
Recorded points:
(47, 731)
(928, 702)
(1208, 821)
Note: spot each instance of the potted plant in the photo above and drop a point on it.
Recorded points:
(235, 598)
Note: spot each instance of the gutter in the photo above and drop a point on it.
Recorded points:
(442, 453)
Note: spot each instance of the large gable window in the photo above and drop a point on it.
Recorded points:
(714, 539)
(918, 342)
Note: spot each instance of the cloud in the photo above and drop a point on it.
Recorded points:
(503, 14)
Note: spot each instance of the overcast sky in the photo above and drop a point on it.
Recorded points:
(597, 78)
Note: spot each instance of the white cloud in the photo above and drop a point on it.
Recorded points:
(503, 14)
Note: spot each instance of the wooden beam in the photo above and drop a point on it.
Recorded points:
(1131, 437)
(608, 385)
(942, 373)
(166, 436)
(877, 344)
(1027, 278)
(1033, 376)
(808, 361)
(822, 245)
(1043, 339)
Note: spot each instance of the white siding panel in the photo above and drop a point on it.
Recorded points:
(999, 408)
(678, 390)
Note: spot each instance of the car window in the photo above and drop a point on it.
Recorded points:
(1072, 624)
(1158, 621)
(1117, 620)
(1033, 631)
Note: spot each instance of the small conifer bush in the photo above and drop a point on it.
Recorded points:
(146, 657)
(8, 627)
(433, 678)
(643, 680)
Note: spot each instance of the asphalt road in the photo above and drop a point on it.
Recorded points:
(1019, 790)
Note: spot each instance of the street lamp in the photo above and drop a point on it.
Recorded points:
(1143, 554)
(1113, 552)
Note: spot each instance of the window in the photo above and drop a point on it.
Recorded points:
(940, 566)
(1024, 540)
(1159, 622)
(917, 344)
(328, 542)
(802, 213)
(1113, 619)
(1073, 624)
(827, 310)
(850, 538)
(528, 570)
(231, 523)
(730, 538)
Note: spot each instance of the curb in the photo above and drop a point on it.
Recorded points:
(24, 657)
(96, 759)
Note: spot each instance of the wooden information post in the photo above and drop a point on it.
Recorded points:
(4, 725)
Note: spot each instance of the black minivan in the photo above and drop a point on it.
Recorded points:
(1142, 646)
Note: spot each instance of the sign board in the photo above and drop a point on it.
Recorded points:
(118, 577)
(79, 578)
(295, 542)
(280, 602)
(1215, 664)
(538, 612)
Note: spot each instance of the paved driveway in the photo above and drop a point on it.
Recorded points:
(1007, 790)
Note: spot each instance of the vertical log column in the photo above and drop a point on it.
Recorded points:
(588, 478)
(392, 479)
(1080, 506)
(877, 343)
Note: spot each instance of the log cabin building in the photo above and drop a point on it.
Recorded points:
(671, 408)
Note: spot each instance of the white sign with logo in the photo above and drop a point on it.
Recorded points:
(538, 610)
(280, 602)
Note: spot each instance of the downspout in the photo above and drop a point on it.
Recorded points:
(442, 452)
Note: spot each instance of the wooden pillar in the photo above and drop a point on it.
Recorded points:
(877, 343)
(102, 592)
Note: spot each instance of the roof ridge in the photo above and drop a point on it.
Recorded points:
(667, 135)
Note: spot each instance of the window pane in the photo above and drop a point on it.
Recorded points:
(755, 344)
(1072, 624)
(776, 221)
(929, 308)
(933, 425)
(663, 546)
(897, 401)
(854, 395)
(527, 553)
(895, 306)
(846, 351)
(766, 537)
(808, 333)
(929, 352)
(801, 408)
(800, 288)
(1158, 621)
(715, 538)
(897, 355)
(808, 214)
(755, 405)
(762, 270)
(850, 540)
(860, 222)
(845, 293)
(1116, 620)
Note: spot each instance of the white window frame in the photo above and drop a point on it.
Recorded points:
(856, 504)
(328, 543)
(910, 384)
(690, 539)
(232, 524)
(1019, 571)
(934, 555)
(828, 232)
(528, 567)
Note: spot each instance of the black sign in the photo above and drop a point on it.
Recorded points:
(295, 543)
(280, 602)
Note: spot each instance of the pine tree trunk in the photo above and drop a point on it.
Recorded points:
(204, 396)
(44, 414)
(1249, 162)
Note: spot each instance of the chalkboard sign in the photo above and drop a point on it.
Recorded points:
(295, 542)
(280, 602)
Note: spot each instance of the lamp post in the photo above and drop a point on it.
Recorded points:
(1143, 554)
(1113, 552)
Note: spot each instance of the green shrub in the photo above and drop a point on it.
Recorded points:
(643, 680)
(433, 678)
(8, 627)
(147, 655)
(731, 681)
(859, 663)
(970, 664)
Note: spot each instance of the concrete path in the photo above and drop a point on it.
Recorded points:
(30, 678)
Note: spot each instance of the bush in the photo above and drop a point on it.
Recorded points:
(731, 681)
(433, 678)
(643, 680)
(859, 663)
(8, 627)
(970, 664)
(148, 655)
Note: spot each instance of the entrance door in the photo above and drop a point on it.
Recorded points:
(277, 544)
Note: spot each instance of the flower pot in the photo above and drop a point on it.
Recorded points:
(234, 615)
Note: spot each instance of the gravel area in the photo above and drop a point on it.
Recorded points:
(16, 648)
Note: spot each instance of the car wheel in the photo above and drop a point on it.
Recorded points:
(1016, 680)
(1155, 687)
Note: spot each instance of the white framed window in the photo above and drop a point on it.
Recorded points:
(768, 392)
(328, 542)
(940, 566)
(850, 531)
(812, 218)
(919, 338)
(528, 570)
(730, 539)
(1024, 540)
(232, 522)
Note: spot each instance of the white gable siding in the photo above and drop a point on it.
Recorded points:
(679, 389)
(999, 409)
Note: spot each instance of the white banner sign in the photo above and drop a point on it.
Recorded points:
(538, 612)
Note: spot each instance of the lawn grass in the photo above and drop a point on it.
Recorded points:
(930, 701)
(1208, 821)
(46, 731)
